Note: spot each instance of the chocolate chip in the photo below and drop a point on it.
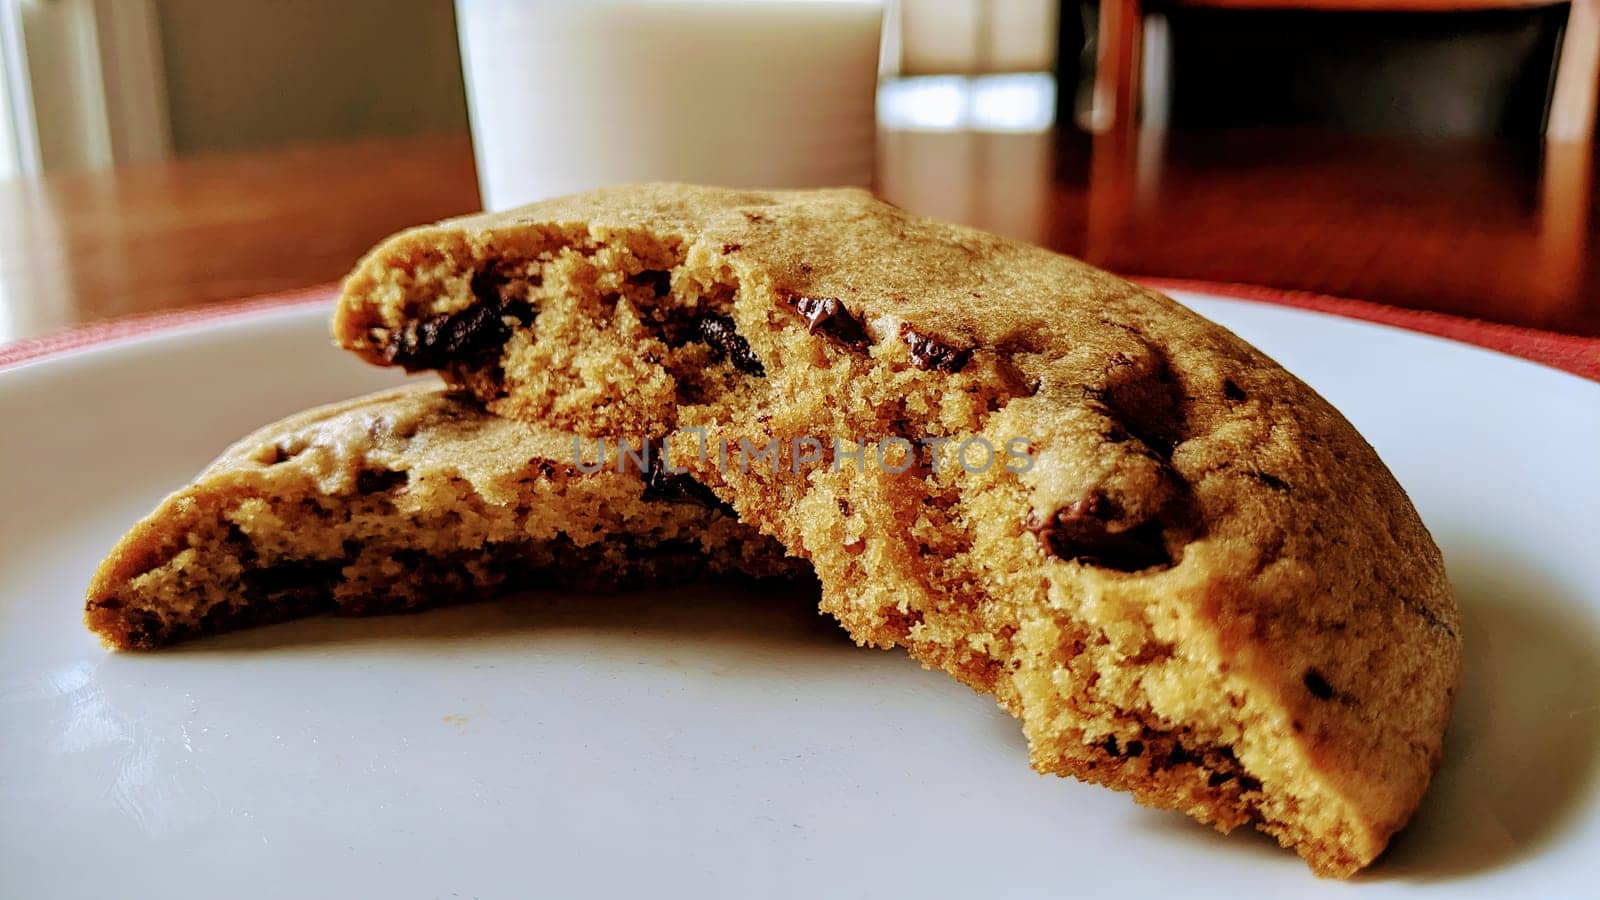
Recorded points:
(292, 575)
(1109, 745)
(661, 486)
(373, 481)
(725, 341)
(659, 281)
(1083, 532)
(730, 248)
(466, 336)
(486, 284)
(1232, 391)
(830, 317)
(933, 354)
(1318, 685)
(1271, 481)
(1134, 748)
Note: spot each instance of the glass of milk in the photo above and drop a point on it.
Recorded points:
(567, 95)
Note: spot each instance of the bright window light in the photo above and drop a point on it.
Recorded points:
(1021, 102)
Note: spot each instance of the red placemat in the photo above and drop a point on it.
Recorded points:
(122, 328)
(1570, 353)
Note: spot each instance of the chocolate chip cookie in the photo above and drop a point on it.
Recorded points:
(398, 501)
(1178, 566)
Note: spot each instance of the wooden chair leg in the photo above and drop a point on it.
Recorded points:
(1113, 177)
(1572, 104)
(1116, 77)
(1565, 195)
(1566, 190)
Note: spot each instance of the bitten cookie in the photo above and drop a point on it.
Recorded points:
(1182, 570)
(397, 501)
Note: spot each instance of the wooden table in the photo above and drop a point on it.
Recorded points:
(1478, 229)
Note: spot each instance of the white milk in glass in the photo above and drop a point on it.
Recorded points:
(567, 95)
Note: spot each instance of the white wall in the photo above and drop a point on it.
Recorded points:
(10, 163)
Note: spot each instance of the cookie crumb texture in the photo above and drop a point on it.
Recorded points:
(1206, 590)
(394, 502)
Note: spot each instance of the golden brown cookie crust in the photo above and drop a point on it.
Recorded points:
(1207, 589)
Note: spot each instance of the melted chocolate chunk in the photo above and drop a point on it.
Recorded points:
(375, 481)
(1083, 532)
(830, 317)
(933, 354)
(661, 486)
(488, 283)
(1232, 391)
(1318, 685)
(292, 576)
(659, 281)
(719, 333)
(469, 336)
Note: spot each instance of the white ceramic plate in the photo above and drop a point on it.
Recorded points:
(697, 741)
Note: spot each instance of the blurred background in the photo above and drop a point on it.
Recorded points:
(1436, 154)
